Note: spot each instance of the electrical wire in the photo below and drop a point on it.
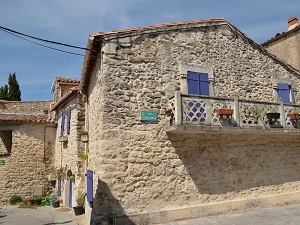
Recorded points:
(40, 39)
(40, 44)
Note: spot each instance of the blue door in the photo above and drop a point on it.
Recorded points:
(89, 187)
(198, 83)
(70, 192)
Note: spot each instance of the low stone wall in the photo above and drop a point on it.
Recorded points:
(24, 106)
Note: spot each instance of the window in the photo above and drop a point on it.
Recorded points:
(5, 142)
(198, 83)
(196, 80)
(286, 92)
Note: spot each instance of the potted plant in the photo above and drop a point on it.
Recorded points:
(295, 115)
(30, 201)
(38, 200)
(79, 209)
(55, 203)
(60, 173)
(273, 115)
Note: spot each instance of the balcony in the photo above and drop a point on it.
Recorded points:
(196, 114)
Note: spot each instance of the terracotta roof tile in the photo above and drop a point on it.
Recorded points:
(11, 118)
(156, 26)
(67, 80)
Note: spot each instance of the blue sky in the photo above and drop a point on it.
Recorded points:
(71, 21)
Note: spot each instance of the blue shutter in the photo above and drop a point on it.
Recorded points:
(70, 192)
(62, 123)
(284, 92)
(204, 85)
(89, 187)
(293, 96)
(69, 121)
(198, 83)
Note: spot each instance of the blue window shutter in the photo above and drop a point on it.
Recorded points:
(62, 124)
(284, 92)
(198, 83)
(293, 96)
(204, 84)
(69, 121)
(70, 192)
(89, 187)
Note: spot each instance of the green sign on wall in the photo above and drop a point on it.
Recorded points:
(148, 116)
(2, 162)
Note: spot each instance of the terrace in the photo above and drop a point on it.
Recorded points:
(193, 113)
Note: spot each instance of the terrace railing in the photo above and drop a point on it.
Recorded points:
(205, 110)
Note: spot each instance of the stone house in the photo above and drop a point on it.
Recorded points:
(27, 139)
(67, 111)
(187, 119)
(285, 45)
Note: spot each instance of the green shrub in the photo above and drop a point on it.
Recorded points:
(14, 199)
(38, 198)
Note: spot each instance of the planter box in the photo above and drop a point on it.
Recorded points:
(273, 115)
(225, 111)
(78, 210)
(63, 138)
(84, 138)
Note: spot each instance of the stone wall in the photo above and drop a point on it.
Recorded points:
(30, 161)
(138, 168)
(286, 48)
(67, 154)
(24, 106)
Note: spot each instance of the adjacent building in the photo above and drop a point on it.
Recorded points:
(187, 119)
(285, 45)
(27, 140)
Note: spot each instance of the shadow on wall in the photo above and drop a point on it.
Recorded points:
(106, 209)
(221, 163)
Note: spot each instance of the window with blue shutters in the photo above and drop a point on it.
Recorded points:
(198, 83)
(89, 187)
(285, 92)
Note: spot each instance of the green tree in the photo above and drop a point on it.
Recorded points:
(11, 92)
(14, 93)
(4, 92)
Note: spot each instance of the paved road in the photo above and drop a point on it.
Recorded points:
(280, 215)
(12, 215)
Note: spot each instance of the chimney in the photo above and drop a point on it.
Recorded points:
(292, 22)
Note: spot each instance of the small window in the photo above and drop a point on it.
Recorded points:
(285, 92)
(5, 142)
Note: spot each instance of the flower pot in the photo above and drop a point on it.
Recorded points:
(273, 115)
(55, 203)
(225, 111)
(78, 210)
(29, 202)
(294, 116)
(37, 202)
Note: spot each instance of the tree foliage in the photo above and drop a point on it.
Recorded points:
(11, 92)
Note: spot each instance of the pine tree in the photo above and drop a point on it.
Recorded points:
(11, 92)
(14, 93)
